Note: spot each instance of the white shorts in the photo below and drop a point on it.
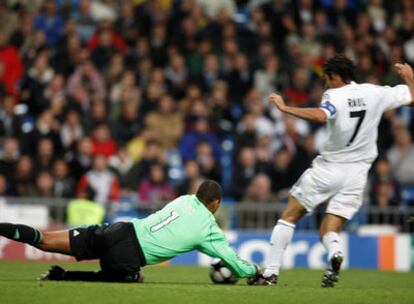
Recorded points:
(341, 184)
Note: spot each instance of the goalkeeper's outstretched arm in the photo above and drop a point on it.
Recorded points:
(216, 245)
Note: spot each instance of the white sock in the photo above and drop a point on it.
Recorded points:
(331, 242)
(281, 236)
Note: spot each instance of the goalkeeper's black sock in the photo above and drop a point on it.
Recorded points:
(99, 276)
(57, 273)
(20, 233)
(86, 276)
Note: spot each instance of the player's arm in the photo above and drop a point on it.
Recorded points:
(311, 114)
(216, 245)
(406, 73)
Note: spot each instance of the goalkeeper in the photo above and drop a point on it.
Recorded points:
(185, 224)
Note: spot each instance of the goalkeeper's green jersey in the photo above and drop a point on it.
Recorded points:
(183, 225)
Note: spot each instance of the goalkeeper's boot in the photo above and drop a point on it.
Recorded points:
(331, 275)
(136, 277)
(55, 273)
(263, 281)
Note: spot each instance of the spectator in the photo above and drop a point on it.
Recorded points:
(121, 163)
(69, 55)
(155, 189)
(246, 168)
(152, 154)
(166, 124)
(64, 183)
(255, 107)
(9, 157)
(49, 22)
(71, 130)
(197, 81)
(44, 185)
(176, 75)
(270, 78)
(305, 153)
(383, 199)
(84, 210)
(35, 82)
(23, 183)
(264, 148)
(240, 77)
(125, 87)
(211, 72)
(102, 180)
(46, 127)
(108, 39)
(86, 24)
(298, 90)
(11, 68)
(8, 20)
(80, 160)
(127, 125)
(10, 122)
(246, 134)
(86, 77)
(280, 173)
(104, 50)
(210, 167)
(192, 138)
(4, 186)
(98, 115)
(401, 157)
(221, 114)
(102, 143)
(213, 8)
(55, 88)
(44, 155)
(136, 146)
(191, 174)
(382, 175)
(259, 190)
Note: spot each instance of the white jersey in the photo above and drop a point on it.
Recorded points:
(354, 112)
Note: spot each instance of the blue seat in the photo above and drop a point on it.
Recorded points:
(407, 195)
(359, 219)
(306, 223)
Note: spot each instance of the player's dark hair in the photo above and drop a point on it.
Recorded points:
(340, 65)
(209, 191)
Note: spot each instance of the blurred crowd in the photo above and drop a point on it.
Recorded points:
(152, 97)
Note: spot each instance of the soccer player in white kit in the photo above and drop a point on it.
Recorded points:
(339, 174)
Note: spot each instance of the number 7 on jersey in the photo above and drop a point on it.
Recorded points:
(361, 116)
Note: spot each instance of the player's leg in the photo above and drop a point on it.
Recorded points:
(282, 235)
(312, 188)
(341, 207)
(330, 228)
(83, 245)
(123, 257)
(57, 241)
(20, 233)
(57, 273)
(117, 248)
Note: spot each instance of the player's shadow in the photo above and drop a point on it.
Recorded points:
(192, 283)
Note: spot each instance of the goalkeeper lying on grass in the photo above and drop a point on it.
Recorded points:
(185, 224)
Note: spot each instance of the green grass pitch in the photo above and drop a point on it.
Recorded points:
(186, 284)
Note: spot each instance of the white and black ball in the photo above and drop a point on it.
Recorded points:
(221, 274)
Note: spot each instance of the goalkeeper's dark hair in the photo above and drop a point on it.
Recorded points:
(209, 191)
(340, 65)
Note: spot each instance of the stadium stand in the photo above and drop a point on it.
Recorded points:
(143, 99)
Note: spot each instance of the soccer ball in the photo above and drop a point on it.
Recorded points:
(220, 274)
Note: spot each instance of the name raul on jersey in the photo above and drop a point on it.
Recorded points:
(356, 102)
